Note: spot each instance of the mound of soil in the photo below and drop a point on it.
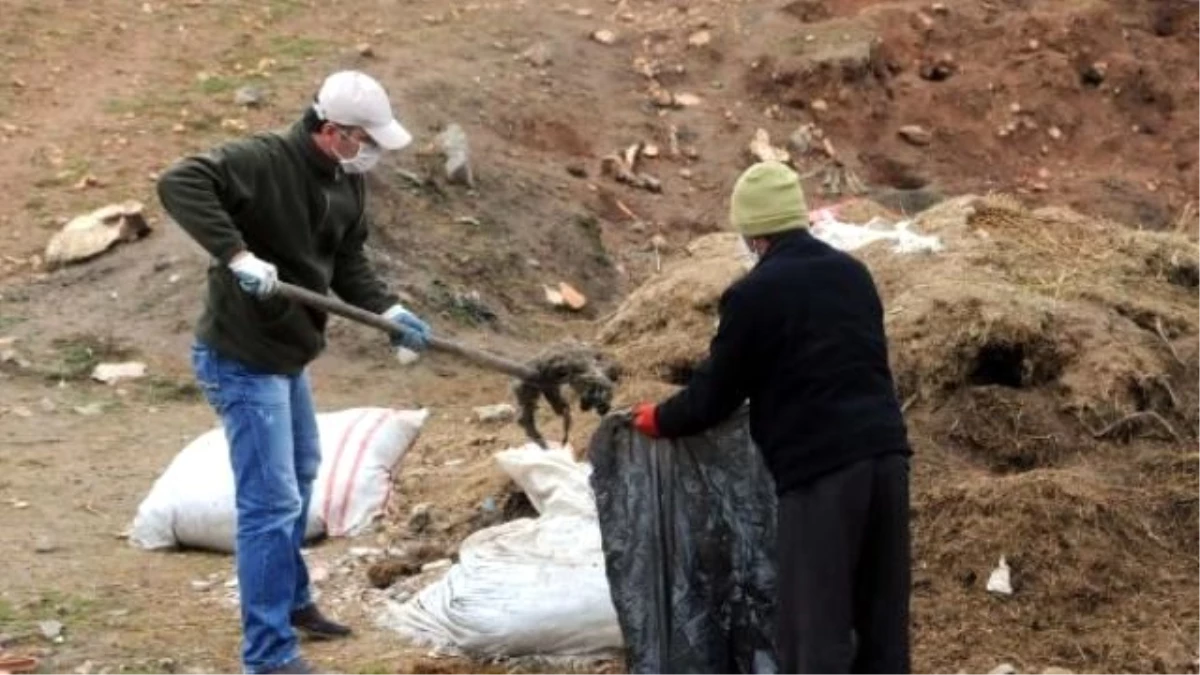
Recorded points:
(1047, 363)
(1032, 97)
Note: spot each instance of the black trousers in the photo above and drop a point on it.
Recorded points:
(844, 571)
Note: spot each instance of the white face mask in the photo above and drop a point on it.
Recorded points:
(363, 161)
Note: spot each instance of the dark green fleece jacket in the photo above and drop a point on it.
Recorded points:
(278, 196)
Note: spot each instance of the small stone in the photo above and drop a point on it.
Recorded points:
(604, 36)
(203, 584)
(51, 630)
(577, 170)
(572, 298)
(538, 55)
(318, 574)
(89, 410)
(1055, 133)
(420, 517)
(685, 173)
(1093, 75)
(923, 21)
(248, 97)
(21, 411)
(1003, 669)
(1015, 108)
(819, 105)
(687, 100)
(444, 563)
(583, 12)
(650, 150)
(658, 242)
(44, 545)
(1040, 187)
(19, 505)
(940, 8)
(454, 146)
(492, 414)
(1034, 45)
(1043, 173)
(915, 134)
(365, 50)
(700, 38)
(88, 181)
(1055, 670)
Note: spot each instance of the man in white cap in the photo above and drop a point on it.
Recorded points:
(288, 206)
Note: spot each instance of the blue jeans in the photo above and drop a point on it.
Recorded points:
(271, 428)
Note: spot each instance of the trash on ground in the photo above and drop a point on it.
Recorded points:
(1000, 580)
(111, 373)
(91, 234)
(826, 226)
(192, 502)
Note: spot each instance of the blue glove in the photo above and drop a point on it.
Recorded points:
(414, 333)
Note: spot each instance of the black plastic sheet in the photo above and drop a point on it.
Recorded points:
(688, 529)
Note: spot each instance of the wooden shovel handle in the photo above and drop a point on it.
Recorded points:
(475, 356)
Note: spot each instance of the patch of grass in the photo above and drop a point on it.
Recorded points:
(165, 103)
(376, 670)
(10, 320)
(8, 614)
(590, 226)
(295, 48)
(80, 354)
(164, 389)
(217, 84)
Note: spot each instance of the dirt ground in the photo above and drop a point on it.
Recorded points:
(1088, 103)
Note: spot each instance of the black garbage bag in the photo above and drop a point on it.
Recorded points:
(688, 530)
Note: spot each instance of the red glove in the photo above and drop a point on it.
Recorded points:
(645, 419)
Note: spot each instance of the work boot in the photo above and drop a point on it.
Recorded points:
(313, 625)
(297, 665)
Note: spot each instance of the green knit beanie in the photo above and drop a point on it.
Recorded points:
(768, 199)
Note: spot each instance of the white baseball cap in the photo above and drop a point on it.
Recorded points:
(354, 99)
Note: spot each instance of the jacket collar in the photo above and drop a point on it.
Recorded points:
(789, 243)
(321, 164)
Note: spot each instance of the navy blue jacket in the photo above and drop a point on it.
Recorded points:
(801, 336)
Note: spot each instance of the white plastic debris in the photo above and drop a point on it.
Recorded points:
(111, 373)
(1000, 580)
(825, 225)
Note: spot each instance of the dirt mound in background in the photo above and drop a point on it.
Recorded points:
(1090, 103)
(1048, 366)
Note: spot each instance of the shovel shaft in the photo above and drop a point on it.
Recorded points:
(356, 314)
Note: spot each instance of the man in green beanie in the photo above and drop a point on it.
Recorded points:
(801, 336)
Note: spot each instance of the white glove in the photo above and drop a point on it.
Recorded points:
(256, 276)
